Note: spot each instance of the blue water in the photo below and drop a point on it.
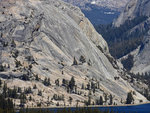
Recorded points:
(144, 108)
(98, 15)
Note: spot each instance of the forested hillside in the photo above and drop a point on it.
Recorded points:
(121, 40)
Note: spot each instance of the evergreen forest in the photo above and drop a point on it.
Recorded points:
(122, 40)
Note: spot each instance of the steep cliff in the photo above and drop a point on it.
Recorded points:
(52, 39)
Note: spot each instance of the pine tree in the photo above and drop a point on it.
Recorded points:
(129, 99)
(39, 92)
(146, 94)
(89, 100)
(88, 86)
(93, 87)
(82, 86)
(30, 98)
(46, 82)
(111, 100)
(19, 90)
(5, 90)
(70, 100)
(57, 82)
(101, 100)
(28, 90)
(13, 44)
(89, 63)
(0, 82)
(82, 59)
(25, 77)
(1, 68)
(22, 100)
(36, 78)
(75, 61)
(35, 87)
(72, 83)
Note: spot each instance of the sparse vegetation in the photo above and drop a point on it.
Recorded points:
(46, 82)
(39, 92)
(15, 53)
(25, 77)
(58, 97)
(17, 93)
(143, 78)
(99, 101)
(18, 63)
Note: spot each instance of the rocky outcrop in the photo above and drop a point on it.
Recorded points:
(43, 38)
(134, 8)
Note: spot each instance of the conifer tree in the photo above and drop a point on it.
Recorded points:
(70, 100)
(72, 83)
(75, 61)
(0, 82)
(101, 100)
(111, 100)
(129, 99)
(82, 59)
(5, 90)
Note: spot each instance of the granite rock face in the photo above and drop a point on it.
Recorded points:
(44, 37)
(135, 9)
(141, 57)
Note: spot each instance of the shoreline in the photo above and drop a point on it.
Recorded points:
(60, 107)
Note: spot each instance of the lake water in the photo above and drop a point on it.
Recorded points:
(99, 15)
(144, 108)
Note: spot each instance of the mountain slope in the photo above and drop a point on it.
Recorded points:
(52, 39)
(136, 9)
(133, 9)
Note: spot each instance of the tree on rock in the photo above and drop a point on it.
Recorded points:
(0, 82)
(75, 61)
(111, 100)
(130, 98)
(46, 82)
(72, 83)
(70, 100)
(101, 100)
(82, 59)
(1, 68)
